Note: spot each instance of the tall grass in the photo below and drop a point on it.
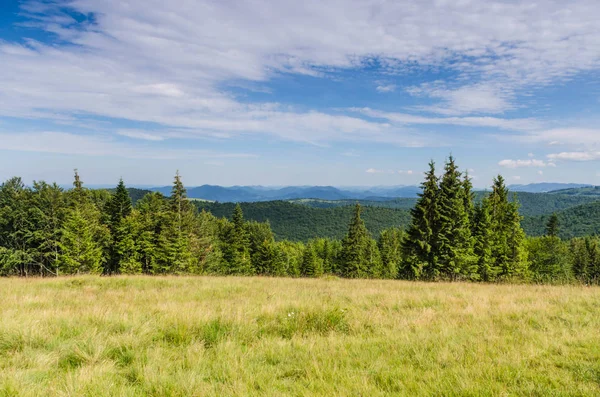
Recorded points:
(203, 336)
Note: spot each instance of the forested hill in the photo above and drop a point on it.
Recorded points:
(301, 223)
(582, 220)
(134, 193)
(531, 204)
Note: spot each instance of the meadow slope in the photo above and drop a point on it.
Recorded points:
(209, 336)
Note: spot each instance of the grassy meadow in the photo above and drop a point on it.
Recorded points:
(209, 336)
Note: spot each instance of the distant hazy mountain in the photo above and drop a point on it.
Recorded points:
(262, 193)
(544, 187)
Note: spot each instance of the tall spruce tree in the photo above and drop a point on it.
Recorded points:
(84, 238)
(390, 246)
(236, 250)
(421, 243)
(118, 208)
(354, 261)
(455, 244)
(552, 228)
(508, 238)
(482, 235)
(312, 265)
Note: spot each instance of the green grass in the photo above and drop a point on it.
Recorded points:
(203, 336)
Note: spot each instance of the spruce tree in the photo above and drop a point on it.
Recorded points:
(390, 246)
(311, 266)
(552, 227)
(236, 250)
(508, 239)
(421, 243)
(455, 244)
(118, 208)
(355, 263)
(482, 235)
(79, 251)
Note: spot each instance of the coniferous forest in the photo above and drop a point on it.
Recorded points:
(48, 231)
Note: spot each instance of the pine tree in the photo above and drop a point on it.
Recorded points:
(390, 246)
(421, 243)
(49, 207)
(482, 233)
(176, 239)
(355, 263)
(455, 244)
(312, 266)
(80, 253)
(552, 228)
(236, 250)
(118, 208)
(508, 239)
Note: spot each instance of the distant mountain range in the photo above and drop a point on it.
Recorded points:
(261, 193)
(546, 187)
(379, 193)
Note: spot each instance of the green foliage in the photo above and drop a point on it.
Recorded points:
(452, 234)
(296, 222)
(422, 237)
(455, 256)
(312, 265)
(355, 255)
(549, 259)
(390, 249)
(552, 228)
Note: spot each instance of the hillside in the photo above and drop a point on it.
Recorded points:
(531, 204)
(304, 219)
(301, 223)
(582, 220)
(545, 187)
(582, 191)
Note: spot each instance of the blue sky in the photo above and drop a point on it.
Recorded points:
(272, 92)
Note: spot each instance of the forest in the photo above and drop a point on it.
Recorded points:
(451, 233)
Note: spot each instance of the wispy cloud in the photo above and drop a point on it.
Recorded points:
(525, 163)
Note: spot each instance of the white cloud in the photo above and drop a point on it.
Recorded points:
(481, 98)
(525, 163)
(406, 172)
(166, 62)
(386, 88)
(374, 171)
(575, 156)
(516, 178)
(540, 172)
(518, 124)
(138, 134)
(77, 144)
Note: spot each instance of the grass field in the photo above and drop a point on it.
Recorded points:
(203, 336)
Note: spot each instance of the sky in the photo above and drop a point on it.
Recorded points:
(316, 92)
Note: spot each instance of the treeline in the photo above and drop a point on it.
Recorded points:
(47, 231)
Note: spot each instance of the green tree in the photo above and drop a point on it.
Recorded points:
(312, 266)
(80, 253)
(354, 261)
(482, 234)
(236, 250)
(455, 247)
(549, 259)
(49, 208)
(17, 228)
(508, 239)
(421, 243)
(118, 209)
(390, 248)
(552, 228)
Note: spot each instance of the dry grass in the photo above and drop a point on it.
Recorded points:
(208, 336)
